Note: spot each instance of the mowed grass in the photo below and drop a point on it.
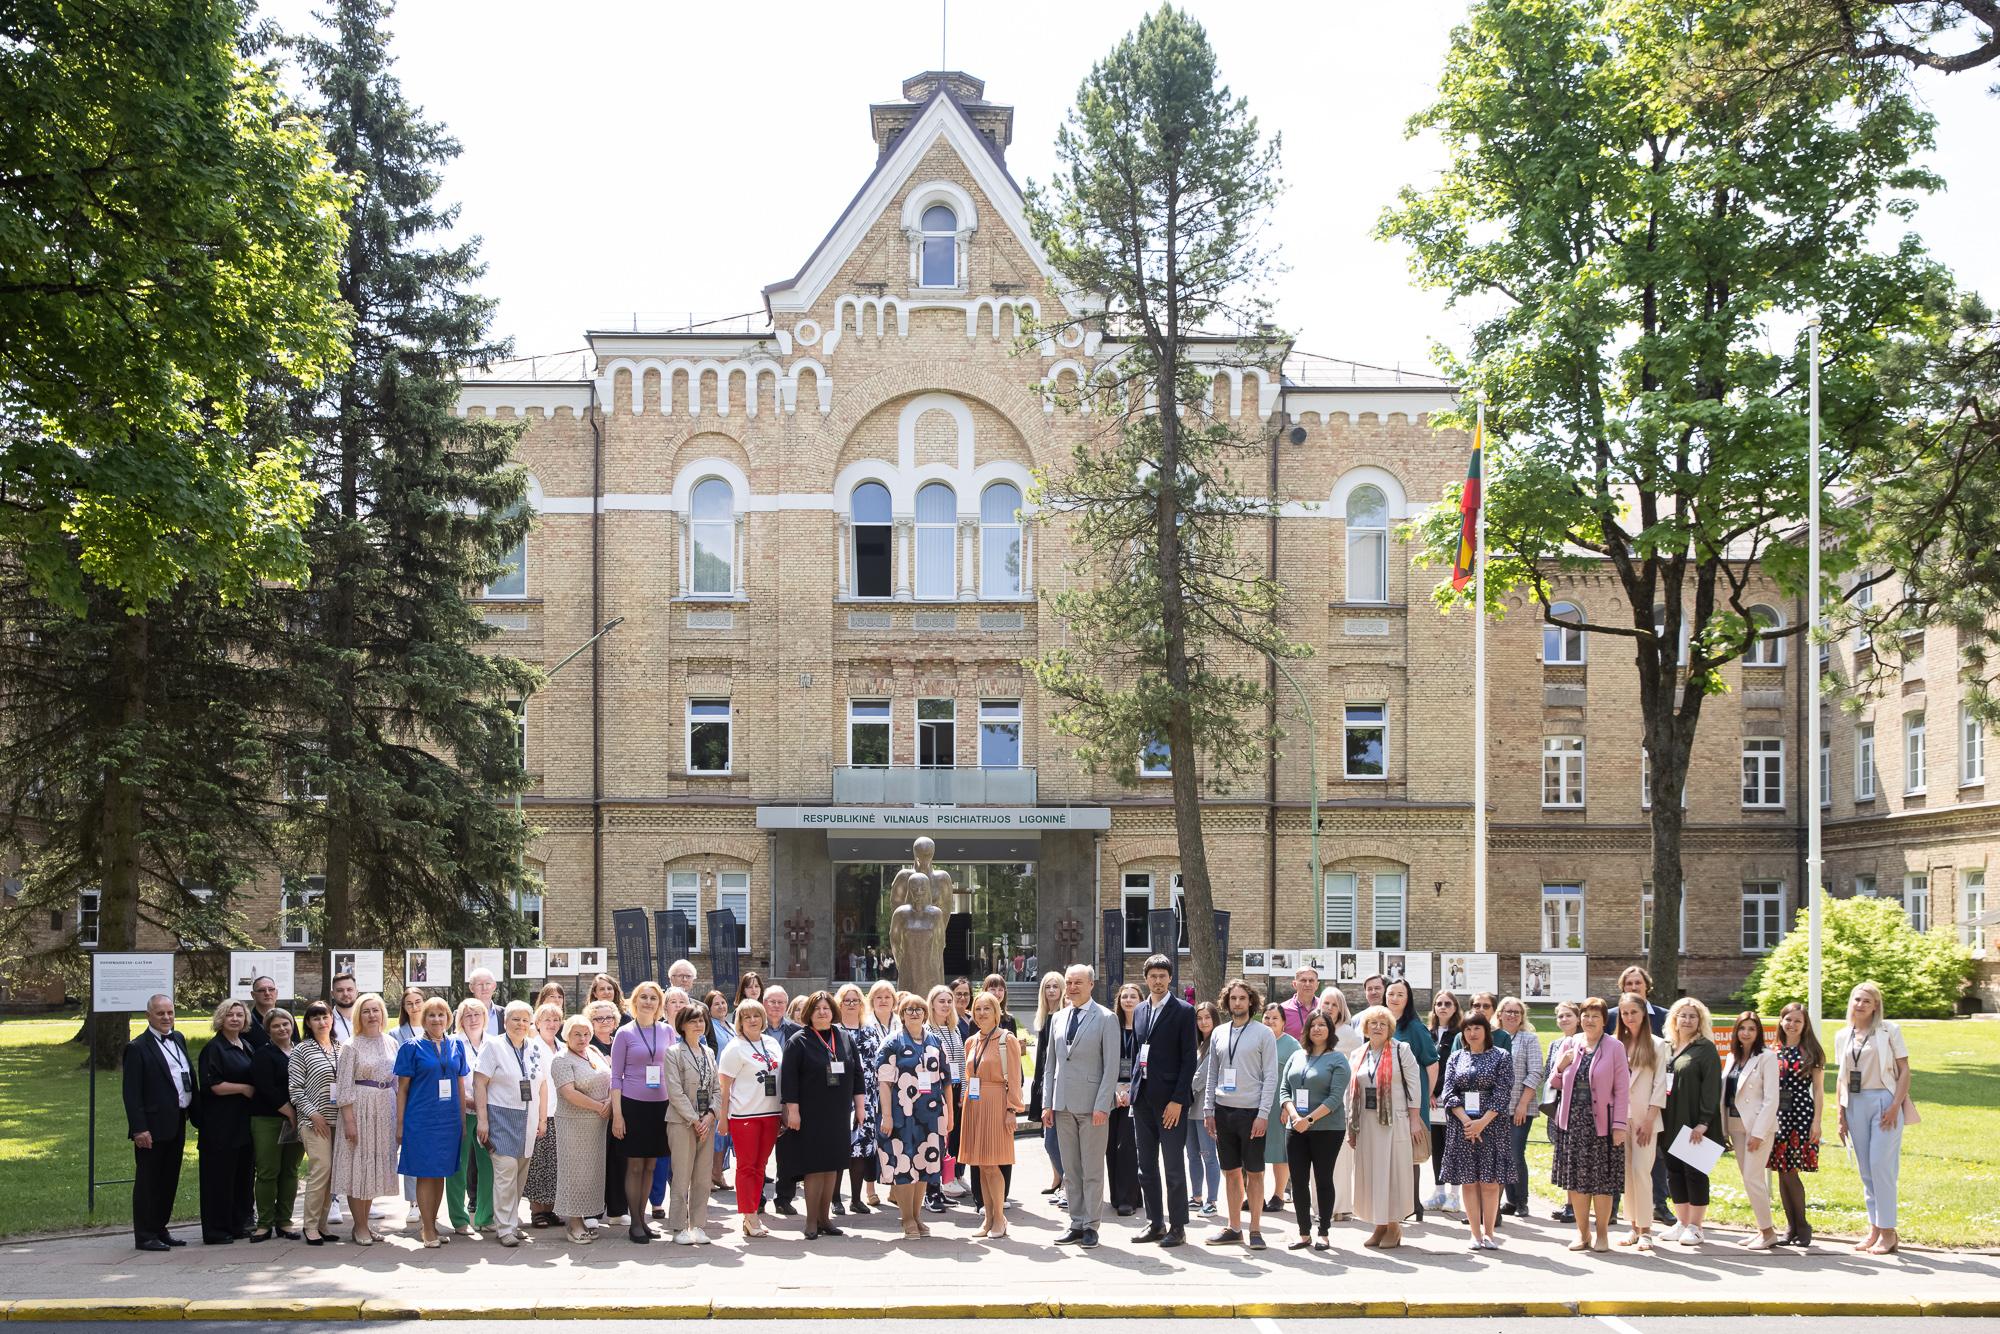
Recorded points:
(1950, 1185)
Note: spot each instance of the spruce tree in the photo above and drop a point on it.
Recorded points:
(403, 730)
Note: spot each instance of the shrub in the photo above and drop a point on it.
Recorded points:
(1865, 940)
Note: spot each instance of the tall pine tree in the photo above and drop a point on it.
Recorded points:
(404, 744)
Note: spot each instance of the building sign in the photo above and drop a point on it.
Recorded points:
(946, 819)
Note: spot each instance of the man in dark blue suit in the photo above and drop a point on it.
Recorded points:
(1162, 1088)
(159, 1090)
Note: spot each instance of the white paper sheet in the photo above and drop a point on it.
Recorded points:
(1702, 1157)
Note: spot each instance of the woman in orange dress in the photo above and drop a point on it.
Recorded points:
(994, 1101)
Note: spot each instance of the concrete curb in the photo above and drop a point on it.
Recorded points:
(107, 1309)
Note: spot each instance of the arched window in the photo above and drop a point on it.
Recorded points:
(1367, 545)
(713, 515)
(937, 542)
(1562, 644)
(1765, 651)
(1000, 541)
(872, 540)
(940, 247)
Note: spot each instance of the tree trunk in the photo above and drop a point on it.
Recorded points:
(118, 831)
(1670, 743)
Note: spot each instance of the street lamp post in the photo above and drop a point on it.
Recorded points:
(576, 653)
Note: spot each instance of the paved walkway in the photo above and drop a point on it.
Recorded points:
(873, 1271)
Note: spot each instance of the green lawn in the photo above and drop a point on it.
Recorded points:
(1951, 1162)
(1950, 1182)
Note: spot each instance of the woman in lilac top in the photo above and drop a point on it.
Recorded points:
(639, 1098)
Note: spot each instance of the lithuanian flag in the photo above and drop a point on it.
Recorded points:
(1468, 508)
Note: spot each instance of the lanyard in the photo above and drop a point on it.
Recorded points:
(1236, 1037)
(831, 1054)
(650, 1036)
(520, 1056)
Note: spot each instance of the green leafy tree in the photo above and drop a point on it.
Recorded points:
(1632, 229)
(1163, 184)
(168, 234)
(402, 743)
(1922, 974)
(1790, 36)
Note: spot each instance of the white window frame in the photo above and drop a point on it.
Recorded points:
(732, 891)
(1135, 884)
(1005, 714)
(854, 527)
(1388, 889)
(1566, 641)
(1351, 726)
(1825, 771)
(997, 583)
(201, 894)
(728, 723)
(886, 721)
(1916, 762)
(1369, 536)
(1646, 918)
(1151, 746)
(1563, 758)
(1660, 630)
(302, 783)
(928, 567)
(515, 563)
(297, 895)
(1864, 599)
(1917, 899)
(720, 534)
(1761, 936)
(1342, 891)
(1567, 898)
(951, 759)
(89, 918)
(1646, 781)
(1972, 907)
(1864, 761)
(1971, 747)
(1763, 773)
(1765, 651)
(530, 905)
(684, 895)
(927, 238)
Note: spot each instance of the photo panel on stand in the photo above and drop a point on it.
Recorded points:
(364, 965)
(246, 966)
(1462, 971)
(427, 968)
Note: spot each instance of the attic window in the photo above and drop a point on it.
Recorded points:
(940, 247)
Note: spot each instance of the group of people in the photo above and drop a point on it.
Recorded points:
(589, 1115)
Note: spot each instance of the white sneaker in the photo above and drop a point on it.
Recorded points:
(685, 1237)
(701, 1237)
(1435, 1200)
(1451, 1201)
(1673, 1233)
(415, 1215)
(1692, 1237)
(955, 1188)
(335, 1214)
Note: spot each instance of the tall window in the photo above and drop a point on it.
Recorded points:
(937, 733)
(512, 581)
(1563, 644)
(1340, 897)
(1367, 545)
(1000, 541)
(868, 733)
(1917, 899)
(713, 514)
(1137, 901)
(528, 903)
(1155, 760)
(1864, 761)
(1367, 741)
(1864, 599)
(874, 540)
(1864, 887)
(1825, 770)
(1763, 915)
(89, 905)
(937, 542)
(1763, 772)
(999, 733)
(1913, 752)
(1971, 748)
(1764, 650)
(1388, 910)
(1562, 771)
(732, 891)
(940, 247)
(708, 736)
(305, 779)
(301, 896)
(684, 896)
(1972, 907)
(1562, 917)
(1646, 917)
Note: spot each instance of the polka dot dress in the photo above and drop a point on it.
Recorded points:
(1795, 1149)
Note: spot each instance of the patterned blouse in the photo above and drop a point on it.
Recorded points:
(309, 1078)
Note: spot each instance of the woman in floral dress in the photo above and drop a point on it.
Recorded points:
(915, 1116)
(1801, 1085)
(853, 1017)
(1476, 1093)
(364, 1156)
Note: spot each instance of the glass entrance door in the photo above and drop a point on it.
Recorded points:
(991, 928)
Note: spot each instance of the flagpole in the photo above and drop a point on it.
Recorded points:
(1479, 698)
(1808, 660)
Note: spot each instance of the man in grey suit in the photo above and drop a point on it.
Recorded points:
(1078, 1089)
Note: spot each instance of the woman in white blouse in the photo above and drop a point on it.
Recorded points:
(511, 1093)
(1750, 1112)
(1873, 1081)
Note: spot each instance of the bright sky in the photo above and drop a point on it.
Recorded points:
(673, 158)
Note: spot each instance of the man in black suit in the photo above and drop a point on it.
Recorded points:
(159, 1089)
(1162, 1088)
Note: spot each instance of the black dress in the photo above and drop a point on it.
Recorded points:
(228, 1157)
(1121, 1146)
(825, 1099)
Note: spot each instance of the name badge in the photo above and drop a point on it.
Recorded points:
(1370, 1098)
(1302, 1100)
(1228, 1084)
(923, 1079)
(652, 1076)
(1472, 1102)
(836, 1067)
(956, 1071)
(1854, 1080)
(972, 1088)
(1145, 1049)
(187, 1081)
(444, 1090)
(527, 1098)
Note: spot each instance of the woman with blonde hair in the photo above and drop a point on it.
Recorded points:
(227, 1150)
(941, 1006)
(882, 1010)
(468, 1192)
(1694, 1104)
(915, 1114)
(1048, 1001)
(511, 1098)
(1510, 1015)
(1385, 1122)
(430, 1085)
(364, 1158)
(851, 1013)
(639, 1099)
(992, 1107)
(1646, 1063)
(1873, 1085)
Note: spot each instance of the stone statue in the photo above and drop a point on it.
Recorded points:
(916, 926)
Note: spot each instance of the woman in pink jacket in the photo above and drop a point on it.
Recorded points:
(1596, 1092)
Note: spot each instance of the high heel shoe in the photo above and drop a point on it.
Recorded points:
(362, 1237)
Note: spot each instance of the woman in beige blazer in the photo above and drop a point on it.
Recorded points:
(1750, 1111)
(1646, 1060)
(694, 1101)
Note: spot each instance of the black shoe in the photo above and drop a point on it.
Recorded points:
(1256, 1241)
(639, 1232)
(1661, 1214)
(1152, 1233)
(1072, 1236)
(151, 1244)
(1564, 1215)
(261, 1234)
(855, 1206)
(1054, 1190)
(172, 1240)
(1506, 1211)
(1175, 1237)
(315, 1241)
(1275, 1203)
(222, 1239)
(840, 1208)
(783, 1208)
(829, 1230)
(1126, 1212)
(290, 1235)
(935, 1205)
(1322, 1244)
(659, 1213)
(1229, 1236)
(1089, 1239)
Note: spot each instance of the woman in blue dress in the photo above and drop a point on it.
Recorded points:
(429, 1092)
(1476, 1093)
(912, 1074)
